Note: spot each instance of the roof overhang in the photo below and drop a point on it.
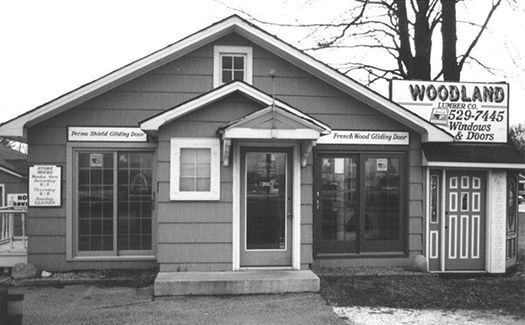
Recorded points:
(153, 124)
(470, 155)
(17, 127)
(9, 171)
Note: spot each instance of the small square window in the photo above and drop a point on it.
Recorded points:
(232, 63)
(195, 167)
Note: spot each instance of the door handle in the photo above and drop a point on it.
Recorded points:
(290, 215)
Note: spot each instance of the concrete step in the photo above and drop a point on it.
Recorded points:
(234, 282)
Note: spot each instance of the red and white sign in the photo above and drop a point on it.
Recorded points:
(471, 112)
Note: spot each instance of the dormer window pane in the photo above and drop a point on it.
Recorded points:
(226, 76)
(226, 62)
(238, 75)
(238, 63)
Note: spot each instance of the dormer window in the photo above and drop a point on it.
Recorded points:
(232, 63)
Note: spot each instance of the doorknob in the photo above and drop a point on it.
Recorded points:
(290, 215)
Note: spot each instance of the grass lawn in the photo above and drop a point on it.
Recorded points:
(482, 292)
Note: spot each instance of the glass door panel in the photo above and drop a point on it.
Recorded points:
(95, 201)
(338, 199)
(265, 200)
(382, 199)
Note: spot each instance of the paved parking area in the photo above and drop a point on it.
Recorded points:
(83, 304)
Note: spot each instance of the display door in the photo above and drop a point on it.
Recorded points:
(465, 221)
(359, 203)
(266, 202)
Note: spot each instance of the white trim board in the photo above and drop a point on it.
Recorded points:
(9, 171)
(16, 128)
(244, 51)
(451, 164)
(236, 203)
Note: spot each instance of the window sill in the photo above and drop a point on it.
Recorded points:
(114, 258)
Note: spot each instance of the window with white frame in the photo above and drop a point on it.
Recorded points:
(195, 169)
(232, 63)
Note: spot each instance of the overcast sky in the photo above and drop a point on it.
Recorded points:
(51, 47)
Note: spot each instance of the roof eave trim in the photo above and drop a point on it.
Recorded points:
(16, 127)
(9, 171)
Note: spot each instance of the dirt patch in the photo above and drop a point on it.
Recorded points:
(482, 292)
(117, 277)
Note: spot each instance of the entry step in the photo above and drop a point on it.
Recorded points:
(234, 282)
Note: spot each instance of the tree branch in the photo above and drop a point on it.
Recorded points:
(478, 36)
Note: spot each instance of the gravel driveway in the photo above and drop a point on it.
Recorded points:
(83, 304)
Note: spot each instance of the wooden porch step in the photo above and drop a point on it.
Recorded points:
(234, 282)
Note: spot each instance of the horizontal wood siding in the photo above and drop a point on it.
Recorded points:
(12, 184)
(195, 236)
(164, 88)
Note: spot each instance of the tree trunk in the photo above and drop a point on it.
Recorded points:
(449, 37)
(405, 51)
(422, 42)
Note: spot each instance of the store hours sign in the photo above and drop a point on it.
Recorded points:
(471, 112)
(45, 183)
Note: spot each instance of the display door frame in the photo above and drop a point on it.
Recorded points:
(354, 241)
(287, 255)
(457, 217)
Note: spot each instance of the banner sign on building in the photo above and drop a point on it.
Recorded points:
(365, 137)
(106, 134)
(45, 183)
(471, 112)
(17, 200)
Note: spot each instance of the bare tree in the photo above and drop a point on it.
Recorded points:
(401, 29)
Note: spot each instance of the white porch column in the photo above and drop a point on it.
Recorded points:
(496, 220)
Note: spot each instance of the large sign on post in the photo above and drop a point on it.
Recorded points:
(471, 112)
(45, 186)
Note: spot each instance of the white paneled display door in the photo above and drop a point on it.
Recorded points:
(464, 238)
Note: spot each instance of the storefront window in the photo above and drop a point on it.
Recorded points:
(114, 201)
(359, 203)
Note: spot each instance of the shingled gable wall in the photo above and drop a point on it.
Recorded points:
(166, 87)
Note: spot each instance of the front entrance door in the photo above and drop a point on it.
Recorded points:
(465, 221)
(266, 202)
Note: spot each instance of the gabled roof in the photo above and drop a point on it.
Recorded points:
(152, 124)
(13, 161)
(273, 122)
(17, 127)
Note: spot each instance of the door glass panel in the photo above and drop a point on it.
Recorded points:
(95, 195)
(382, 199)
(265, 200)
(338, 197)
(134, 205)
